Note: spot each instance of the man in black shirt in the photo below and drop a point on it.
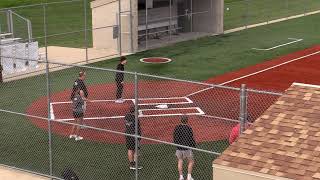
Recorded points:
(183, 135)
(119, 79)
(131, 141)
(79, 84)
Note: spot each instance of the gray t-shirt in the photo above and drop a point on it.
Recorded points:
(77, 103)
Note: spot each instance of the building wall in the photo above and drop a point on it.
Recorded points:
(227, 173)
(212, 21)
(106, 13)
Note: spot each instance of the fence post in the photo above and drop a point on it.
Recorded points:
(10, 22)
(48, 89)
(243, 107)
(29, 30)
(85, 29)
(246, 16)
(146, 21)
(119, 28)
(136, 122)
(131, 26)
(170, 16)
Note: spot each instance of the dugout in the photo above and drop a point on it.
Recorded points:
(132, 25)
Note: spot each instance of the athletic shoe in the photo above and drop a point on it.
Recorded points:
(119, 101)
(78, 138)
(133, 166)
(190, 178)
(72, 136)
(181, 178)
(82, 127)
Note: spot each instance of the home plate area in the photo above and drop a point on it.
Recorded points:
(108, 109)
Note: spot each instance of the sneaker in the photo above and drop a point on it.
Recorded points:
(82, 127)
(119, 101)
(72, 136)
(78, 138)
(181, 178)
(190, 178)
(133, 166)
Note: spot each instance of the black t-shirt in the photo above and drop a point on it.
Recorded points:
(79, 84)
(120, 75)
(130, 124)
(183, 135)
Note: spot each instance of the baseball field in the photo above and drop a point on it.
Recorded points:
(230, 59)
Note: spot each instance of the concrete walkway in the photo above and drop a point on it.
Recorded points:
(13, 174)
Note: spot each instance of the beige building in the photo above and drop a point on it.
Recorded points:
(282, 144)
(146, 23)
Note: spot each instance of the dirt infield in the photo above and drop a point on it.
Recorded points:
(157, 127)
(215, 103)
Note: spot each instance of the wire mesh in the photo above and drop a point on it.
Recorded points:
(106, 160)
(22, 144)
(3, 22)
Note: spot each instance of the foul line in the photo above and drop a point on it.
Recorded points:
(258, 72)
(295, 40)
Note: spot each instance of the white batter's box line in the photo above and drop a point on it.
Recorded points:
(295, 40)
(92, 118)
(189, 101)
(200, 112)
(112, 100)
(96, 100)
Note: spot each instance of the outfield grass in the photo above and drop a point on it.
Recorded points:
(243, 13)
(25, 146)
(69, 17)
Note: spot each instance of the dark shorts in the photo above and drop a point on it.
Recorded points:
(130, 143)
(77, 114)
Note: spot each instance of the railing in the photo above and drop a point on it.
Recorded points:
(19, 26)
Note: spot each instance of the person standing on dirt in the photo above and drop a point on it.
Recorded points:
(78, 108)
(80, 85)
(120, 78)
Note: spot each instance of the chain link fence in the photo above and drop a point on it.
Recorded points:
(38, 110)
(39, 120)
(73, 32)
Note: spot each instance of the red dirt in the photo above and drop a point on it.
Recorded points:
(216, 102)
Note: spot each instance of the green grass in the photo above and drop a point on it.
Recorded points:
(24, 145)
(241, 13)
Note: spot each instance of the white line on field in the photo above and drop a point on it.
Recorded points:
(188, 101)
(200, 112)
(166, 109)
(295, 40)
(51, 111)
(258, 72)
(110, 100)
